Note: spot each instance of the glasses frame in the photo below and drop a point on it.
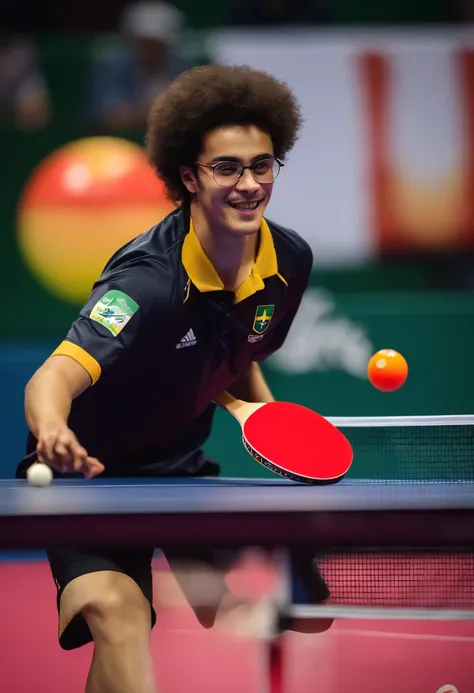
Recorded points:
(243, 169)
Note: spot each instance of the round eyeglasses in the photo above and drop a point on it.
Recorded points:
(228, 173)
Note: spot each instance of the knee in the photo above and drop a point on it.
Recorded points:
(119, 611)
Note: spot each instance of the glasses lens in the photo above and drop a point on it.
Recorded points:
(266, 171)
(227, 173)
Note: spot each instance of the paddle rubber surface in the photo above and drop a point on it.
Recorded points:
(296, 442)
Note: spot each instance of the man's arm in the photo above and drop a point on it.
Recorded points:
(49, 393)
(251, 386)
(90, 347)
(48, 398)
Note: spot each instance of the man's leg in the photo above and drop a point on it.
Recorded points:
(205, 586)
(308, 587)
(119, 618)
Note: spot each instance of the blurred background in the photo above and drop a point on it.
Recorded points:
(381, 183)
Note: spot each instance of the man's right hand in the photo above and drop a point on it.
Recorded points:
(59, 448)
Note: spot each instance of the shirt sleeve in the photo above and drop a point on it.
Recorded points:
(110, 323)
(296, 289)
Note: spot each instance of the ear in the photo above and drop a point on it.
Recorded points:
(188, 178)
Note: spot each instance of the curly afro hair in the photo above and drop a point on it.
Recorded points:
(210, 96)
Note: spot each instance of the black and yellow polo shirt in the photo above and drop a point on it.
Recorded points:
(161, 339)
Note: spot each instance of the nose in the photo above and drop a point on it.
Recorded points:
(247, 182)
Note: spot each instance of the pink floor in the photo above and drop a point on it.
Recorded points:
(352, 657)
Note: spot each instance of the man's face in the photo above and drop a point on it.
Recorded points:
(231, 205)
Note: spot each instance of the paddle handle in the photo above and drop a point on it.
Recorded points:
(237, 407)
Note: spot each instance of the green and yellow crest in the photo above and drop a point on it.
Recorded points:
(263, 316)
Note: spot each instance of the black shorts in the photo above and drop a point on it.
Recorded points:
(66, 565)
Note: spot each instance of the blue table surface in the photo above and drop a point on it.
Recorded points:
(225, 495)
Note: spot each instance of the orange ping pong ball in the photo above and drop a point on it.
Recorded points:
(387, 370)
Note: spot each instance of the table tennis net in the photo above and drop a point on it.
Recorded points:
(400, 578)
(430, 448)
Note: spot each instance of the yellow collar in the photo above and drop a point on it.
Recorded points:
(203, 275)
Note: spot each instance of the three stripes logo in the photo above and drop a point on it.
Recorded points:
(188, 340)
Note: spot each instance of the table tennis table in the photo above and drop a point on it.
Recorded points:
(281, 515)
(235, 513)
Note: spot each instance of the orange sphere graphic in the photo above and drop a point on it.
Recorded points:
(82, 203)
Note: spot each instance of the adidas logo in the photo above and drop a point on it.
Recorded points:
(188, 340)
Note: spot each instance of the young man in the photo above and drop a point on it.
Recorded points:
(173, 321)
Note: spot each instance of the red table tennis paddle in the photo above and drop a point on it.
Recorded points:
(291, 440)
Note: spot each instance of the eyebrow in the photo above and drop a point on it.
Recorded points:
(259, 157)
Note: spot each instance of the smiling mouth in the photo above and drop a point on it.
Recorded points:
(246, 206)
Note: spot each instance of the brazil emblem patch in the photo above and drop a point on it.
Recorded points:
(263, 316)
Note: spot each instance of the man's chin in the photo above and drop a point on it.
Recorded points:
(245, 225)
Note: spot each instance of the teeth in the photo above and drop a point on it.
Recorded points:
(246, 205)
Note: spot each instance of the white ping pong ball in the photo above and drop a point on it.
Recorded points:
(39, 474)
